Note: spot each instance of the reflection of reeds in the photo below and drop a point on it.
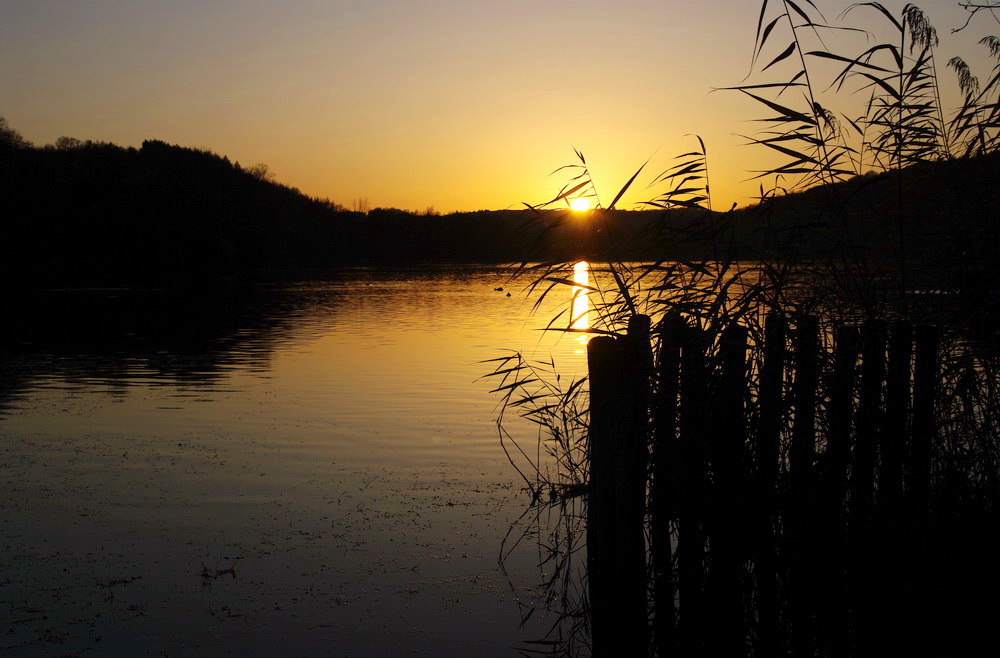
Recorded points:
(882, 489)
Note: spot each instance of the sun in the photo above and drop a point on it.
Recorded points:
(580, 204)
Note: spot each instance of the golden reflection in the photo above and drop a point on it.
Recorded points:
(581, 300)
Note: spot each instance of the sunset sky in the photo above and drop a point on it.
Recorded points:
(459, 105)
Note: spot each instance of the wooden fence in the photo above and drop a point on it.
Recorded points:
(759, 506)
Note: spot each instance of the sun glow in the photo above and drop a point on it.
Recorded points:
(580, 204)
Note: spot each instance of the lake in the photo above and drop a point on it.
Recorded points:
(306, 468)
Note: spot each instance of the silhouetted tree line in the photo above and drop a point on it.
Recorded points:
(94, 211)
(949, 209)
(88, 211)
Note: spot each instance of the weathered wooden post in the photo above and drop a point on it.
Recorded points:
(897, 401)
(619, 371)
(894, 549)
(691, 494)
(729, 449)
(803, 449)
(766, 455)
(838, 443)
(918, 472)
(834, 623)
(868, 429)
(631, 472)
(862, 567)
(800, 511)
(663, 489)
(728, 504)
(923, 536)
(604, 357)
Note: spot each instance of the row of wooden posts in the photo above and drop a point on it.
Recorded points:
(739, 506)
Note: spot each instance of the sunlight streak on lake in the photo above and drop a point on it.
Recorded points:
(581, 300)
(581, 303)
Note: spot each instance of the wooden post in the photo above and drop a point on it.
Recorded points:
(729, 454)
(691, 494)
(663, 494)
(604, 356)
(765, 489)
(918, 475)
(868, 428)
(862, 567)
(630, 500)
(771, 379)
(831, 614)
(728, 496)
(800, 509)
(616, 552)
(894, 549)
(923, 555)
(897, 400)
(803, 449)
(838, 443)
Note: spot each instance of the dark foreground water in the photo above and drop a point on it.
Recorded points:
(296, 469)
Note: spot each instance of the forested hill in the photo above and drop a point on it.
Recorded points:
(930, 216)
(86, 212)
(94, 213)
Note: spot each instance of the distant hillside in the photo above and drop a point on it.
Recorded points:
(94, 210)
(930, 214)
(87, 212)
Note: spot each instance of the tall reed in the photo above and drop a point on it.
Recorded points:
(903, 127)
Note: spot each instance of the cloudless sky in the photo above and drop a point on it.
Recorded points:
(460, 105)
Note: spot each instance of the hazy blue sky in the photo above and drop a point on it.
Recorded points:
(460, 105)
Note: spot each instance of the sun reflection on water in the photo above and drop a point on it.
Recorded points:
(581, 301)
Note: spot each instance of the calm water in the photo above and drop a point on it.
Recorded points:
(329, 439)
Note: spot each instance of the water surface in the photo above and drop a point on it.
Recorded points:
(328, 438)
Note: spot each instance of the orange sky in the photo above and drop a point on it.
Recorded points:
(454, 104)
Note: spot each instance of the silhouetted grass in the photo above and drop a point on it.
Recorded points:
(816, 262)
